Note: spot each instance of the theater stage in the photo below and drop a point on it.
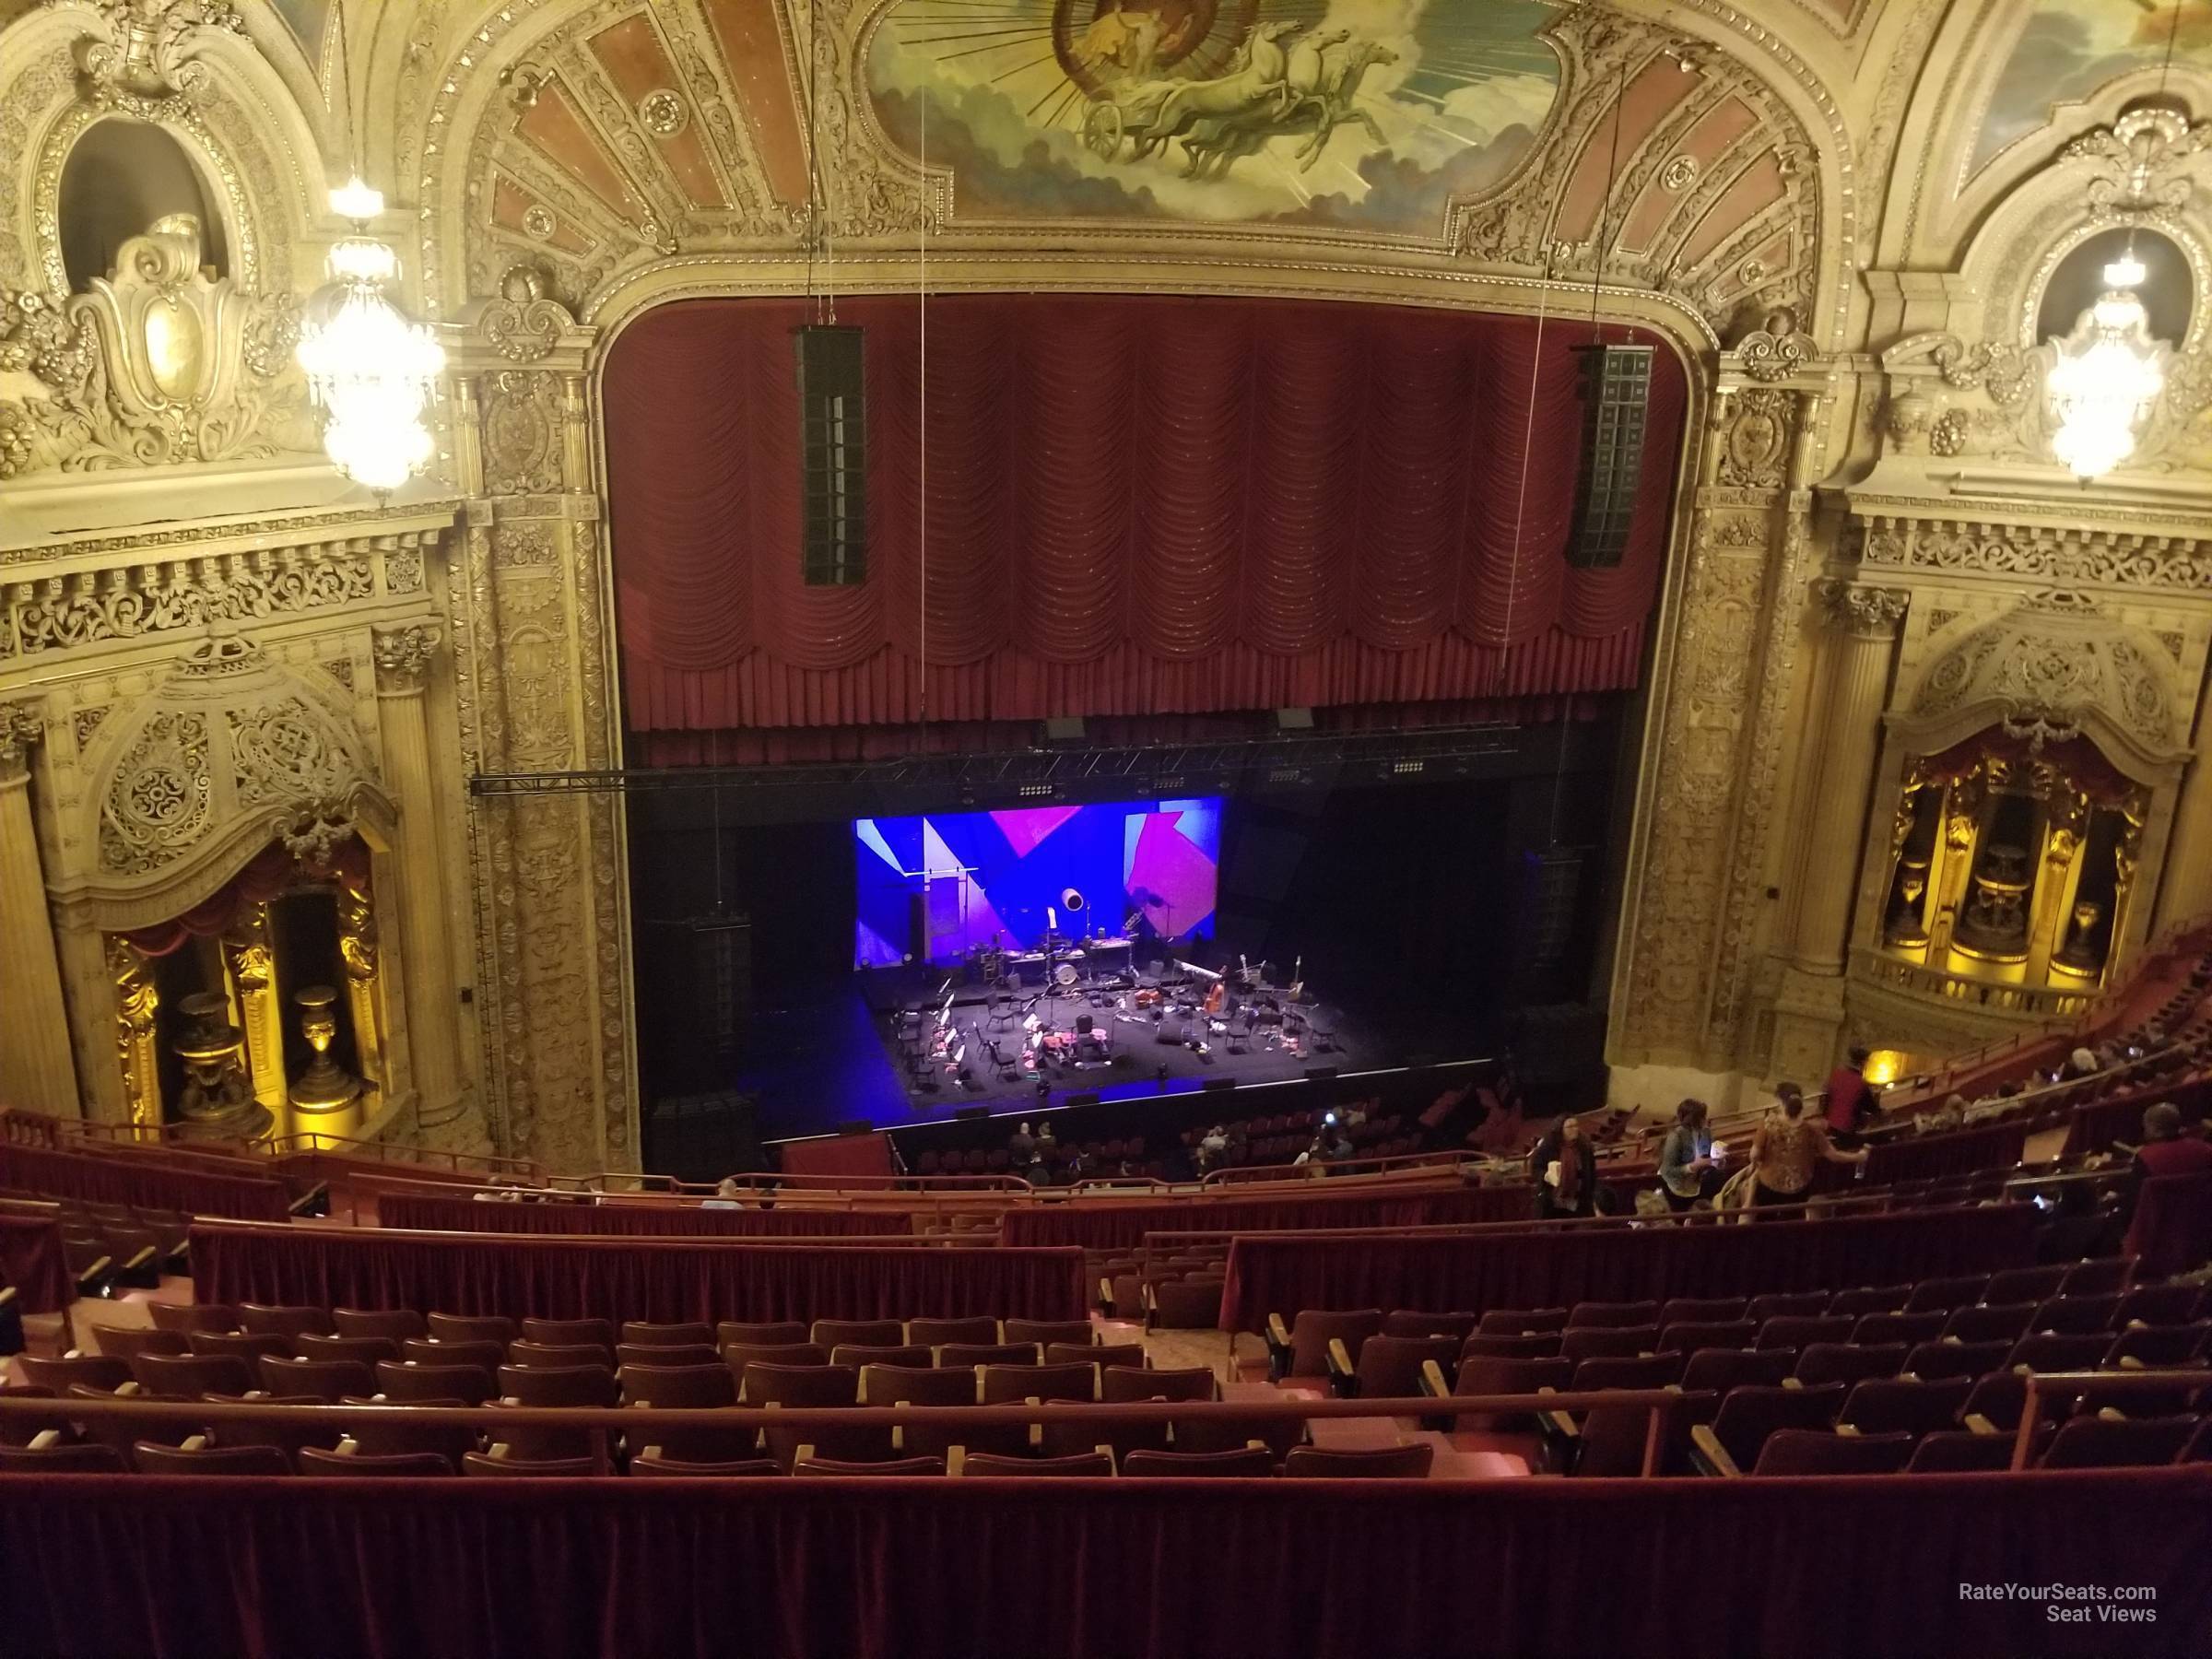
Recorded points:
(814, 1066)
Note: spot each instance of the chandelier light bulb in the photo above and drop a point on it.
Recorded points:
(2126, 272)
(370, 367)
(2105, 380)
(356, 201)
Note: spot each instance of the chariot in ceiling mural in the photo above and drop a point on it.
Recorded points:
(1365, 114)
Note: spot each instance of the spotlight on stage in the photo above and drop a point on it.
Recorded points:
(1071, 899)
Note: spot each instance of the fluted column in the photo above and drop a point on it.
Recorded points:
(37, 1070)
(403, 660)
(2185, 894)
(1850, 689)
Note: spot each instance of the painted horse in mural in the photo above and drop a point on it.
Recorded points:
(1327, 100)
(1158, 111)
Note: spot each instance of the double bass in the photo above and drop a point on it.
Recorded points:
(1216, 994)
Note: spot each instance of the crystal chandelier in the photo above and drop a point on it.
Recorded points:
(368, 368)
(2106, 376)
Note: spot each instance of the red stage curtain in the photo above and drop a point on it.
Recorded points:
(267, 874)
(32, 1261)
(466, 1215)
(1134, 505)
(563, 1278)
(1110, 1224)
(838, 1155)
(2171, 1231)
(1475, 1272)
(1108, 1569)
(142, 1181)
(1954, 1152)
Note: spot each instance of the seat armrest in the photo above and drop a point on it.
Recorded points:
(1708, 1455)
(1106, 1293)
(1847, 1428)
(7, 1295)
(193, 1442)
(2129, 1362)
(127, 1389)
(1342, 1380)
(348, 1447)
(1978, 1424)
(1560, 1423)
(499, 1449)
(45, 1438)
(956, 1458)
(1278, 1347)
(649, 1452)
(1432, 1380)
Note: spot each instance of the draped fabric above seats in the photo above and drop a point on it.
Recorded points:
(1472, 1273)
(664, 1280)
(1112, 1223)
(434, 1213)
(1827, 1569)
(1133, 505)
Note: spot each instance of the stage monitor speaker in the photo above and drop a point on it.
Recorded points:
(1064, 728)
(833, 534)
(1616, 389)
(1216, 1084)
(1294, 719)
(702, 1137)
(1081, 1100)
(972, 1114)
(855, 1126)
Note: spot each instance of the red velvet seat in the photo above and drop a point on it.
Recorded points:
(181, 1317)
(689, 1353)
(1522, 1321)
(642, 1333)
(1747, 1415)
(880, 1333)
(1870, 1299)
(485, 1354)
(191, 1375)
(471, 1327)
(357, 1465)
(1874, 1329)
(397, 1324)
(2098, 1441)
(2037, 1285)
(1609, 1342)
(94, 1371)
(1905, 1405)
(1796, 1452)
(1535, 1345)
(987, 1464)
(248, 1346)
(328, 1380)
(121, 1342)
(153, 1458)
(1788, 1304)
(401, 1383)
(1604, 1315)
(1958, 1452)
(1305, 1353)
(1798, 1331)
(857, 1354)
(269, 1320)
(1718, 1370)
(1625, 1370)
(396, 1437)
(1409, 1322)
(795, 1385)
(1383, 1463)
(545, 1386)
(2058, 1351)
(522, 1468)
(1094, 1353)
(1934, 1359)
(676, 1468)
(362, 1350)
(1190, 1304)
(933, 1333)
(1704, 1310)
(1043, 1331)
(2074, 1315)
(2162, 1345)
(1692, 1336)
(1479, 1374)
(1248, 1462)
(2158, 1305)
(571, 1333)
(558, 1356)
(2096, 1277)
(1958, 1291)
(86, 1458)
(1390, 1367)
(966, 1356)
(890, 1466)
(1991, 1322)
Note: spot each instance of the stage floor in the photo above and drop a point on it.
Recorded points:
(817, 1065)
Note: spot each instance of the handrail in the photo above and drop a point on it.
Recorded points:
(2076, 1383)
(634, 1420)
(1444, 1157)
(907, 1240)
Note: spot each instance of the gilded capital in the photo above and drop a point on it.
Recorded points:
(403, 656)
(22, 724)
(1866, 613)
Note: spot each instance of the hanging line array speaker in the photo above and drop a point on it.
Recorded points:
(833, 455)
(1617, 394)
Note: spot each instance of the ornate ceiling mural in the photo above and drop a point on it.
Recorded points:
(1368, 112)
(2072, 47)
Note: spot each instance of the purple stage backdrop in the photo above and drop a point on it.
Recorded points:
(951, 882)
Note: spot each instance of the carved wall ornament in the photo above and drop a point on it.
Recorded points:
(522, 433)
(1871, 613)
(311, 834)
(281, 751)
(2060, 662)
(403, 656)
(1776, 349)
(145, 61)
(2144, 161)
(157, 364)
(1756, 444)
(2049, 554)
(22, 724)
(126, 602)
(524, 324)
(158, 802)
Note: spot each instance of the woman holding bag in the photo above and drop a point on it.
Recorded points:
(1566, 1170)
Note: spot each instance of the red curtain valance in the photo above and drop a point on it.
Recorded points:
(267, 874)
(1133, 505)
(2077, 760)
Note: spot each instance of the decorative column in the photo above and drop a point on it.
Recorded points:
(403, 661)
(1852, 686)
(37, 1071)
(2185, 894)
